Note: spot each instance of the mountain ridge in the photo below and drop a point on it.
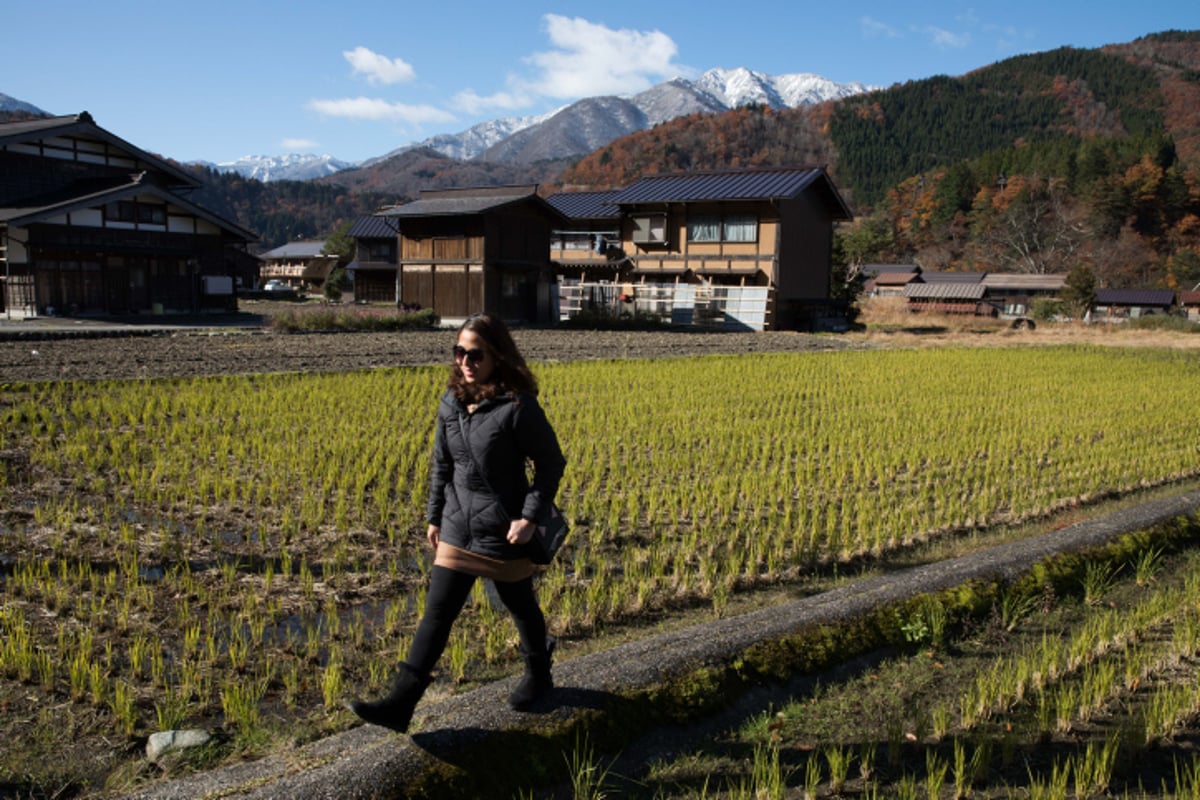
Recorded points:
(578, 128)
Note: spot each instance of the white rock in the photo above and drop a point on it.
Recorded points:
(165, 741)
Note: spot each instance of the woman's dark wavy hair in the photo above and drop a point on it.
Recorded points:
(510, 375)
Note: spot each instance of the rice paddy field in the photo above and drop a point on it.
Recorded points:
(243, 552)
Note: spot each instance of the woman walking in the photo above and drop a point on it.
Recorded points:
(482, 510)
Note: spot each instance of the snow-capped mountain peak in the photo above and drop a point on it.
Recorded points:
(741, 86)
(580, 127)
(288, 167)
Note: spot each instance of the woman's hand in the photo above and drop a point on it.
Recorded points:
(434, 534)
(520, 531)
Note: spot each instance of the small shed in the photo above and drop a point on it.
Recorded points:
(948, 297)
(1119, 305)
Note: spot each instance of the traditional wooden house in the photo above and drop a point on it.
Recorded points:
(478, 249)
(890, 284)
(765, 228)
(948, 297)
(1013, 294)
(592, 269)
(589, 248)
(90, 224)
(1119, 305)
(300, 264)
(1190, 302)
(375, 263)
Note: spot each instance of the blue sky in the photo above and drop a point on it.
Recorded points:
(217, 80)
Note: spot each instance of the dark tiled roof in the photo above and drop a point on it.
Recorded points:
(1013, 281)
(304, 249)
(83, 126)
(879, 269)
(372, 227)
(744, 184)
(95, 193)
(451, 202)
(934, 276)
(1135, 297)
(895, 278)
(586, 205)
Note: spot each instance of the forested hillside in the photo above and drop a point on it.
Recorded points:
(283, 211)
(1039, 163)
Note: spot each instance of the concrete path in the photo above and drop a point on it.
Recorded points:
(460, 732)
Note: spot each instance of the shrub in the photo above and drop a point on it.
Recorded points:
(1165, 322)
(352, 319)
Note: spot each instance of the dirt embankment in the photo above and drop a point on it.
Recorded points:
(191, 353)
(121, 353)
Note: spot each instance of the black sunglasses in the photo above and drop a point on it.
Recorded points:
(474, 355)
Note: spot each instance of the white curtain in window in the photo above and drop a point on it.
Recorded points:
(704, 229)
(741, 228)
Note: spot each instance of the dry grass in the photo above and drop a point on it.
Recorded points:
(889, 323)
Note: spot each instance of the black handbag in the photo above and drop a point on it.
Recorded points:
(548, 536)
(551, 530)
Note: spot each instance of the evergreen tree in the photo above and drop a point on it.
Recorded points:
(1079, 290)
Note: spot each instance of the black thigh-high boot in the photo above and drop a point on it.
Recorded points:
(395, 709)
(537, 681)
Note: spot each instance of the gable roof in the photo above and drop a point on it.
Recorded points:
(1135, 297)
(300, 249)
(879, 269)
(81, 127)
(938, 276)
(1021, 282)
(743, 184)
(1189, 298)
(586, 205)
(92, 194)
(895, 278)
(372, 226)
(468, 201)
(945, 290)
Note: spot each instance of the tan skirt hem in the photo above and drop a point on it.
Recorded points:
(465, 561)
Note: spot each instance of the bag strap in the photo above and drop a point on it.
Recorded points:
(471, 452)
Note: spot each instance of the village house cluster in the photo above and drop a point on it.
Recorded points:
(90, 224)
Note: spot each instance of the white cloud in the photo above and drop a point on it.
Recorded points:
(371, 108)
(470, 102)
(379, 68)
(943, 39)
(591, 59)
(298, 144)
(873, 27)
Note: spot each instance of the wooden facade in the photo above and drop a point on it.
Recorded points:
(375, 263)
(483, 249)
(769, 228)
(90, 224)
(588, 248)
(300, 264)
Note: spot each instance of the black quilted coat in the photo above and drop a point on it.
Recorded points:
(504, 433)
